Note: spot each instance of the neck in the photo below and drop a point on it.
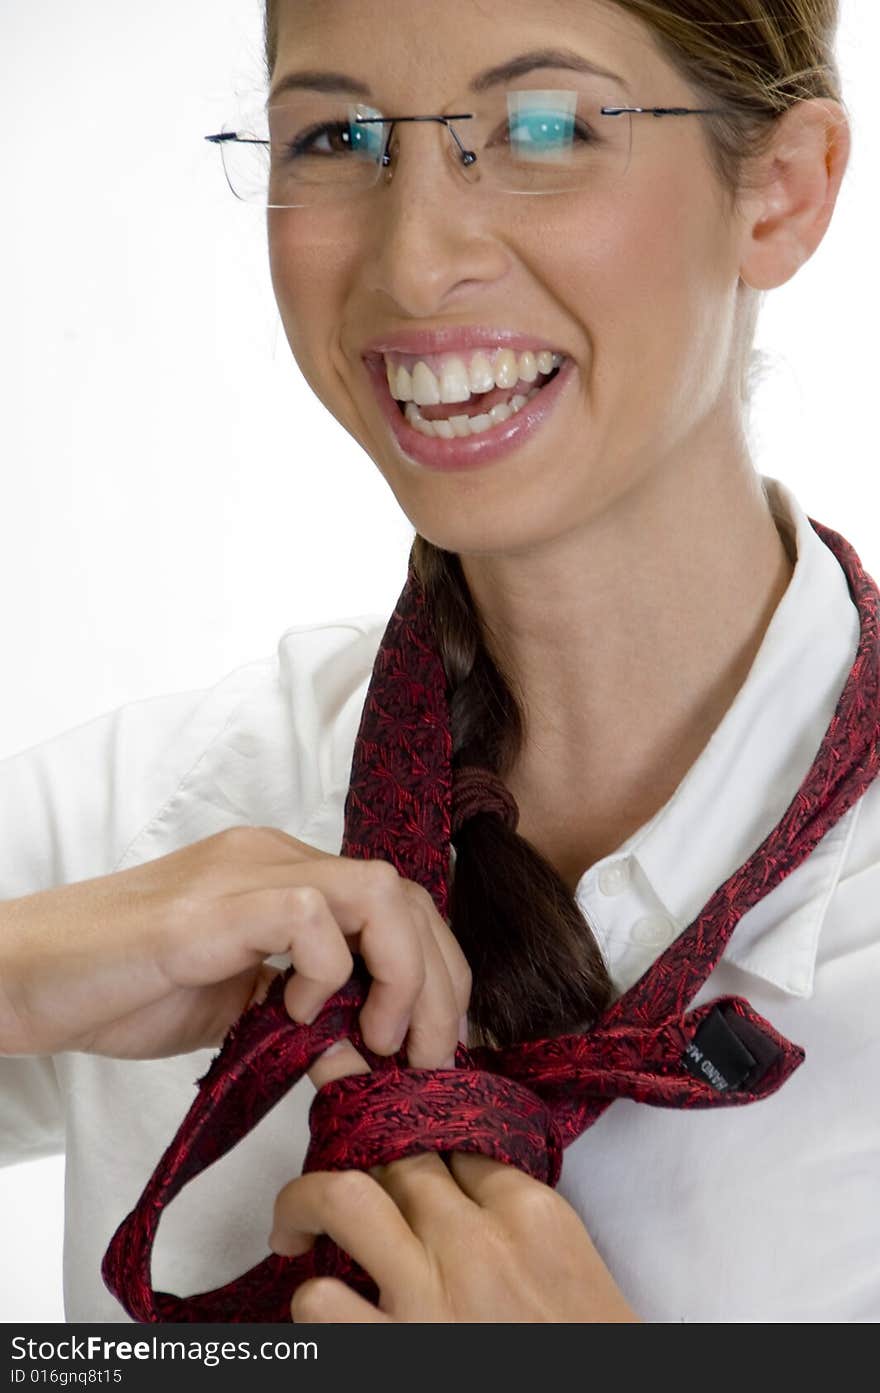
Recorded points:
(627, 640)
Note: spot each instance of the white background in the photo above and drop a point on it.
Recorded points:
(170, 486)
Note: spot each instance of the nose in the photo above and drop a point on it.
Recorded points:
(430, 220)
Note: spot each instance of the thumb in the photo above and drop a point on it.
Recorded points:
(229, 1000)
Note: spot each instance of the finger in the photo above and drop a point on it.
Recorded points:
(425, 1192)
(318, 951)
(491, 1184)
(336, 1062)
(392, 944)
(352, 1209)
(436, 1014)
(295, 920)
(323, 1300)
(373, 913)
(433, 1027)
(456, 963)
(534, 1216)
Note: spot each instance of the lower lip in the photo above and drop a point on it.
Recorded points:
(468, 452)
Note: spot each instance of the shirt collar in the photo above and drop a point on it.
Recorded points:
(746, 776)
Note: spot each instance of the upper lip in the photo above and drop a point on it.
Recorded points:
(452, 339)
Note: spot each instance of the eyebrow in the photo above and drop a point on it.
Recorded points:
(566, 58)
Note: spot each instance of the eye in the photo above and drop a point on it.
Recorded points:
(550, 128)
(346, 139)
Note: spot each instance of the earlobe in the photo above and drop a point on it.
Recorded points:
(789, 212)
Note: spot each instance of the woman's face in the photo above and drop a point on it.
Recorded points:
(636, 282)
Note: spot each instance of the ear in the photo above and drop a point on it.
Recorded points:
(788, 212)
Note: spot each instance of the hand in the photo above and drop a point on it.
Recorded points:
(161, 959)
(473, 1241)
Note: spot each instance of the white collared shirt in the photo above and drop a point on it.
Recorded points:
(765, 1212)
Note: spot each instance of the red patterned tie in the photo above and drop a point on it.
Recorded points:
(523, 1104)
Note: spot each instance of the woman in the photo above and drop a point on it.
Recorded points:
(645, 639)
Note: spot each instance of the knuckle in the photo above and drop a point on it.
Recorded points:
(276, 834)
(246, 838)
(419, 895)
(538, 1206)
(462, 979)
(378, 878)
(336, 968)
(242, 836)
(284, 1199)
(350, 1189)
(409, 972)
(305, 902)
(312, 1299)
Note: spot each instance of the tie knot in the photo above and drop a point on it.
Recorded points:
(477, 789)
(364, 1120)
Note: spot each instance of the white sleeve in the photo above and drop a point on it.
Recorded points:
(69, 808)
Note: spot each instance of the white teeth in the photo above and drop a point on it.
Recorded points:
(459, 379)
(528, 367)
(481, 423)
(466, 425)
(482, 378)
(454, 381)
(506, 369)
(426, 388)
(403, 390)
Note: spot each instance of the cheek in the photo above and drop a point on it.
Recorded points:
(310, 278)
(651, 280)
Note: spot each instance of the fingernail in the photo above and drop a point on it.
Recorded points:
(298, 1014)
(463, 1030)
(448, 1063)
(332, 1049)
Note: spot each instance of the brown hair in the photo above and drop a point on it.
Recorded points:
(537, 969)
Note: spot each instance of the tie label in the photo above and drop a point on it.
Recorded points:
(718, 1055)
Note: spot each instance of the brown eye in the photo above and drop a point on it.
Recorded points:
(339, 133)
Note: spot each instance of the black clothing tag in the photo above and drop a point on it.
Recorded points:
(718, 1055)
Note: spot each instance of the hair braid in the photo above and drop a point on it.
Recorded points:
(537, 969)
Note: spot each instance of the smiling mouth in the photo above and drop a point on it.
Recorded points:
(457, 394)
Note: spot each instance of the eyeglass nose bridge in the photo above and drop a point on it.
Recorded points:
(468, 157)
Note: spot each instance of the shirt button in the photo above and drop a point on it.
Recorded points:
(653, 929)
(614, 877)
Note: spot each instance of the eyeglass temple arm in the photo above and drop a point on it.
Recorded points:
(663, 110)
(232, 135)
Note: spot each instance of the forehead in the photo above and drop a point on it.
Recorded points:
(426, 50)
